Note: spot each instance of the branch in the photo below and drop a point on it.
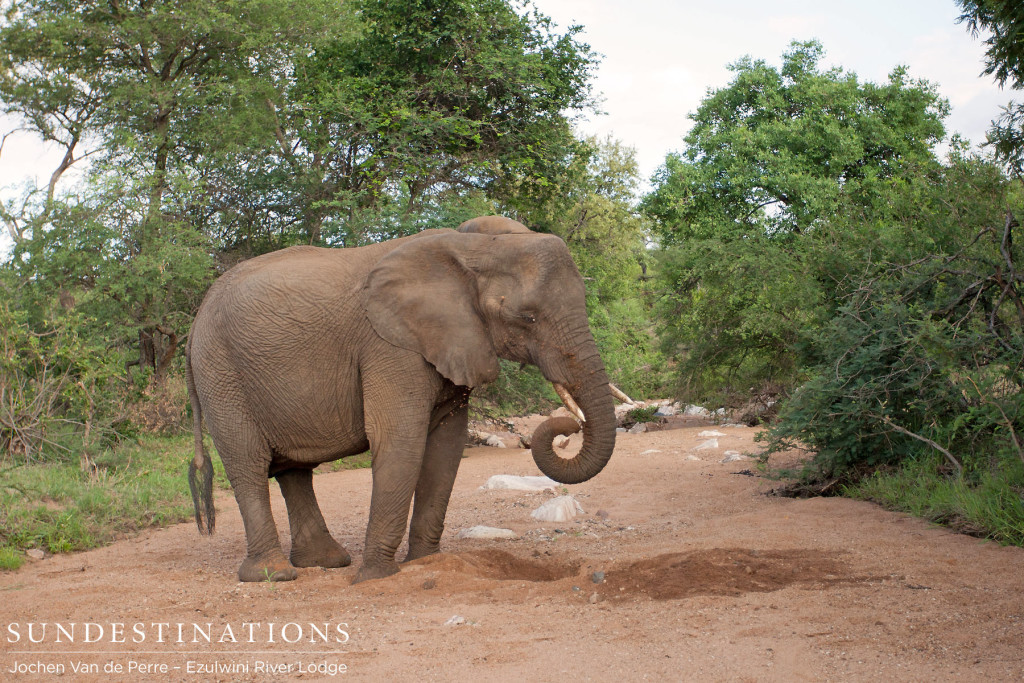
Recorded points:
(949, 456)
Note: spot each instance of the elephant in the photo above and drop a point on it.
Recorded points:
(306, 355)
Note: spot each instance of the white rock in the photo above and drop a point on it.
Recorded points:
(560, 509)
(710, 433)
(707, 445)
(693, 457)
(516, 483)
(456, 621)
(733, 456)
(665, 411)
(494, 442)
(638, 428)
(733, 424)
(486, 532)
(696, 411)
(561, 441)
(649, 451)
(35, 553)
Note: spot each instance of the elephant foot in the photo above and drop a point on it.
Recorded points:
(375, 571)
(326, 552)
(418, 551)
(270, 567)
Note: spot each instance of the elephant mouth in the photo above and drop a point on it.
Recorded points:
(574, 408)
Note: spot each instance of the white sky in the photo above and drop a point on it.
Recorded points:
(661, 56)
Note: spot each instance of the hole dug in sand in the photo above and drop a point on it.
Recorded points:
(722, 572)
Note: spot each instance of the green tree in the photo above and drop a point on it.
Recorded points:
(1003, 22)
(771, 160)
(157, 89)
(423, 104)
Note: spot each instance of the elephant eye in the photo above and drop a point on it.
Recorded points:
(528, 317)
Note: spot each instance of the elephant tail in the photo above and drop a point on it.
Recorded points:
(200, 470)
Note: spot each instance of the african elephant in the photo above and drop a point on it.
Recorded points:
(307, 355)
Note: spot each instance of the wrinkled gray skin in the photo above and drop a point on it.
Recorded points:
(307, 355)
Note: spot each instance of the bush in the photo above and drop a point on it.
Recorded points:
(58, 389)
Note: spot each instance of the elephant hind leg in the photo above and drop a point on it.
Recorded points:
(312, 544)
(247, 463)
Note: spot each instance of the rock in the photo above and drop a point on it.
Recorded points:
(597, 577)
(477, 437)
(638, 428)
(561, 441)
(708, 433)
(35, 553)
(486, 532)
(594, 597)
(620, 430)
(516, 483)
(733, 456)
(665, 411)
(603, 514)
(706, 445)
(560, 509)
(696, 411)
(494, 442)
(429, 584)
(649, 451)
(456, 621)
(693, 457)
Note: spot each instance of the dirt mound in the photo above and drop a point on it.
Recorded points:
(723, 572)
(498, 565)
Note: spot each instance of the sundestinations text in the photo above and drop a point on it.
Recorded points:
(180, 632)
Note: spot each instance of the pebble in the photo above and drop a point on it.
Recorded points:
(597, 577)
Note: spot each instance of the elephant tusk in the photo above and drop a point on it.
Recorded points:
(619, 394)
(567, 399)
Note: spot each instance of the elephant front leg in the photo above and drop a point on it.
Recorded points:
(396, 467)
(437, 477)
(312, 544)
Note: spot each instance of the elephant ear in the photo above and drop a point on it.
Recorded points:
(423, 297)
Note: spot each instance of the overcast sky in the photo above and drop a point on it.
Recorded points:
(661, 56)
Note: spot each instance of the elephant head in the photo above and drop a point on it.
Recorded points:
(496, 289)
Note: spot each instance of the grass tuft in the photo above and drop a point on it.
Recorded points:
(60, 507)
(988, 505)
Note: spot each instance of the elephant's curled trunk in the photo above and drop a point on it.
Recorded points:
(594, 399)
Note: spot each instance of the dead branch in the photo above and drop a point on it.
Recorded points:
(949, 456)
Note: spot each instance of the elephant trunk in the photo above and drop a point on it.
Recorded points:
(591, 392)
